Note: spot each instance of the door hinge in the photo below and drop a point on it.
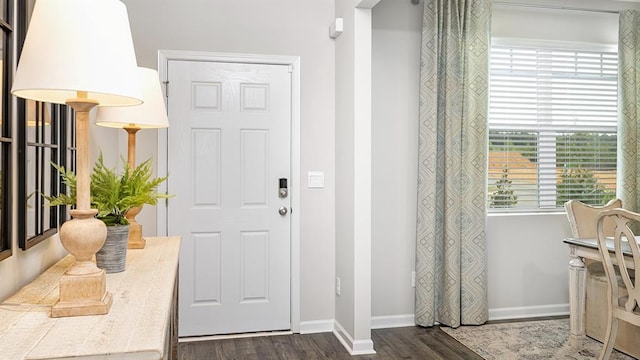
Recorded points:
(290, 68)
(166, 88)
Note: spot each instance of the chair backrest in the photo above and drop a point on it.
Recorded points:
(623, 239)
(582, 218)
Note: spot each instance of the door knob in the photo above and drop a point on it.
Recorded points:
(282, 210)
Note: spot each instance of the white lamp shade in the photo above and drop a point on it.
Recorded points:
(32, 110)
(78, 45)
(150, 114)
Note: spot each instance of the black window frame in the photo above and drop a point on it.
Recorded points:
(47, 143)
(6, 141)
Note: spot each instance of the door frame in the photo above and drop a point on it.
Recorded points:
(164, 56)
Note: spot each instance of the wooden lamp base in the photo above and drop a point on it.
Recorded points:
(83, 288)
(83, 295)
(136, 241)
(135, 230)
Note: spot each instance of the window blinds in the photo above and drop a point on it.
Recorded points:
(552, 127)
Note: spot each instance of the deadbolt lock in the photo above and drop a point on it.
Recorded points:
(283, 192)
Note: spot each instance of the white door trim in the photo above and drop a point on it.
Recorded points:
(162, 163)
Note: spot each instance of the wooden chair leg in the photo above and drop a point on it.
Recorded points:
(609, 338)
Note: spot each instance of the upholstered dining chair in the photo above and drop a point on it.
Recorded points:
(582, 219)
(621, 305)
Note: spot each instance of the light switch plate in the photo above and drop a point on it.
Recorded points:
(316, 179)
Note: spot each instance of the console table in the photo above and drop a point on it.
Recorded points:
(142, 322)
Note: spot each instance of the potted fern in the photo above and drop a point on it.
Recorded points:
(143, 187)
(113, 195)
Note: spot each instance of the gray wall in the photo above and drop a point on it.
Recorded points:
(396, 62)
(344, 164)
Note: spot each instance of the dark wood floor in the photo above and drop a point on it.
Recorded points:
(394, 343)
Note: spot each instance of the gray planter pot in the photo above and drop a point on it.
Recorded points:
(113, 255)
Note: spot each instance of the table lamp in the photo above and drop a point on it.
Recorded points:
(80, 53)
(151, 114)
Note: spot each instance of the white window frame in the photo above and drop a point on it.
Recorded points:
(547, 184)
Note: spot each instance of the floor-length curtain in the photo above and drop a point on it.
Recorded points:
(628, 109)
(451, 269)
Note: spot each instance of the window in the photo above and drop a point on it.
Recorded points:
(552, 127)
(6, 11)
(42, 140)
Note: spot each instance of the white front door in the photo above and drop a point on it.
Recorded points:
(229, 153)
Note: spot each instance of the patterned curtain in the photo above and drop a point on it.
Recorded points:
(628, 102)
(451, 267)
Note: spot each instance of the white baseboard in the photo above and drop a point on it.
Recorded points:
(363, 347)
(383, 322)
(393, 321)
(528, 311)
(355, 347)
(316, 326)
(404, 320)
